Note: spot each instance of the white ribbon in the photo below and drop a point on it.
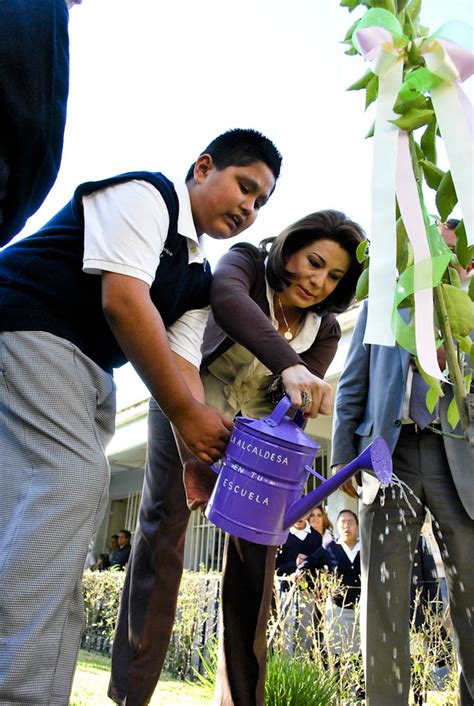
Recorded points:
(412, 215)
(377, 45)
(454, 64)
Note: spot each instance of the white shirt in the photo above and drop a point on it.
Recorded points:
(301, 533)
(125, 230)
(350, 553)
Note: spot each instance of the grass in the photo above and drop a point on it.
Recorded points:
(92, 677)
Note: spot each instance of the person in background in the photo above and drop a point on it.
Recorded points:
(343, 557)
(302, 541)
(121, 555)
(319, 520)
(34, 86)
(113, 545)
(272, 328)
(299, 604)
(102, 563)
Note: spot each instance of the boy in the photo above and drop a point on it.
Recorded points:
(117, 275)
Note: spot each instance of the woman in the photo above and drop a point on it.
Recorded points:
(272, 325)
(319, 521)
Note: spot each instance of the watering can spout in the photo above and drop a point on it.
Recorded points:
(376, 457)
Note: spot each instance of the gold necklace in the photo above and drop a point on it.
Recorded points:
(288, 335)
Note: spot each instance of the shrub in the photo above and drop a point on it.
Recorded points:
(196, 616)
(101, 592)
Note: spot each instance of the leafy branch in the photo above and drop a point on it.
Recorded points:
(453, 298)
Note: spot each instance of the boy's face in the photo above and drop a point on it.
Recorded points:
(226, 201)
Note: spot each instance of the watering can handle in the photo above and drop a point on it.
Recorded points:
(279, 412)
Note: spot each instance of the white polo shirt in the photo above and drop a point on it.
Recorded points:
(125, 230)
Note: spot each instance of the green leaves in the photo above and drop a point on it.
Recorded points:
(362, 288)
(361, 251)
(432, 173)
(465, 253)
(428, 141)
(352, 4)
(460, 309)
(453, 414)
(403, 252)
(435, 390)
(389, 5)
(371, 90)
(361, 82)
(413, 119)
(446, 197)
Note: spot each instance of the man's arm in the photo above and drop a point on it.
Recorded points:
(140, 332)
(351, 395)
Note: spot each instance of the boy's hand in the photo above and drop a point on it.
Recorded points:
(204, 430)
(306, 391)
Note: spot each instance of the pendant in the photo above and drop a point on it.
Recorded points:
(288, 335)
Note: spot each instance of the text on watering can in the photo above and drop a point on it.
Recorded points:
(257, 451)
(251, 496)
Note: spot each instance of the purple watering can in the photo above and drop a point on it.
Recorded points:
(262, 476)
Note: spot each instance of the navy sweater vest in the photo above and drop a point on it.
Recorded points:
(43, 286)
(336, 559)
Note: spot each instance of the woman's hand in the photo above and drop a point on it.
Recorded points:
(348, 487)
(306, 391)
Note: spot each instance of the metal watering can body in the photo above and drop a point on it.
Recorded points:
(262, 477)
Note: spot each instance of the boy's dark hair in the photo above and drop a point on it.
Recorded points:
(452, 223)
(126, 533)
(322, 225)
(240, 147)
(350, 512)
(114, 536)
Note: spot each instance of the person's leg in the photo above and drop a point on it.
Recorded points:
(455, 538)
(148, 605)
(57, 414)
(387, 547)
(247, 586)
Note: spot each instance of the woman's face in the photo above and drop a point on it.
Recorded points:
(317, 268)
(316, 520)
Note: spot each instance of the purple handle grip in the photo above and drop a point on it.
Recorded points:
(280, 411)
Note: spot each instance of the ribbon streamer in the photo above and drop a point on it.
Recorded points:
(379, 38)
(412, 215)
(454, 63)
(377, 46)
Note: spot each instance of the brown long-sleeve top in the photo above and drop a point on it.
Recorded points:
(240, 313)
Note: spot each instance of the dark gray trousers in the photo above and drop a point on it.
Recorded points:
(386, 568)
(149, 599)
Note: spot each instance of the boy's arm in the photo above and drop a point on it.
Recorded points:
(140, 332)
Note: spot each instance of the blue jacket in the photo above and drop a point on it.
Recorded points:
(369, 403)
